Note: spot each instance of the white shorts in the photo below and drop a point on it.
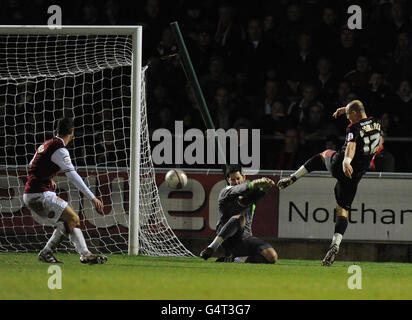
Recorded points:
(46, 205)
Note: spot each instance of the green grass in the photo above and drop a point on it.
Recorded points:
(22, 276)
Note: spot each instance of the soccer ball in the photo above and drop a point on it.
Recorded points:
(176, 179)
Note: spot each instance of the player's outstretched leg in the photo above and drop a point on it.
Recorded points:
(231, 227)
(72, 223)
(314, 163)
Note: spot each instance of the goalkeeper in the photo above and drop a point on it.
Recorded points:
(236, 209)
(40, 196)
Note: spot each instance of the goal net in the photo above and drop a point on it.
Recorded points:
(88, 76)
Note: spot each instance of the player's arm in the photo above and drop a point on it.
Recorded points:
(339, 112)
(349, 154)
(61, 157)
(352, 136)
(262, 184)
(234, 191)
(256, 190)
(54, 185)
(31, 161)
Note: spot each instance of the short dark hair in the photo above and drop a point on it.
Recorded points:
(64, 126)
(233, 168)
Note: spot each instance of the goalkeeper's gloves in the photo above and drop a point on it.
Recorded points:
(263, 184)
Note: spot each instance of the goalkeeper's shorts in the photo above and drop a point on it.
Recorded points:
(46, 207)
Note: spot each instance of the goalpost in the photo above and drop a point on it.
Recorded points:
(95, 75)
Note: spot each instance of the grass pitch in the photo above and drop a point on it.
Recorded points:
(22, 276)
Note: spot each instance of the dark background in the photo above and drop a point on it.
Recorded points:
(280, 66)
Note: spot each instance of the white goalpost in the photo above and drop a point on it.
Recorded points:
(95, 75)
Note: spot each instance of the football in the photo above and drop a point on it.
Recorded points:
(176, 179)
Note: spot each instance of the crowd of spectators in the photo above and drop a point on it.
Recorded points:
(279, 66)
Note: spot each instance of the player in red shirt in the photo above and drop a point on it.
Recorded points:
(40, 196)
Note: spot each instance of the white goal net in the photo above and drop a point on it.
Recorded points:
(46, 76)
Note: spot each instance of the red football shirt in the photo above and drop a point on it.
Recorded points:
(42, 169)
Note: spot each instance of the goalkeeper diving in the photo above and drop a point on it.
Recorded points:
(234, 229)
(40, 196)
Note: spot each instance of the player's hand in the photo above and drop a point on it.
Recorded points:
(348, 170)
(339, 112)
(98, 205)
(262, 184)
(54, 185)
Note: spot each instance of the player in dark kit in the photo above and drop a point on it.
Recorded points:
(347, 165)
(40, 196)
(234, 228)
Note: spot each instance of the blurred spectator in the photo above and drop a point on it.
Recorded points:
(383, 160)
(343, 97)
(165, 119)
(167, 45)
(203, 51)
(359, 77)
(191, 19)
(159, 99)
(344, 88)
(263, 103)
(398, 23)
(217, 77)
(290, 156)
(222, 109)
(326, 35)
(298, 110)
(289, 30)
(258, 61)
(302, 61)
(314, 128)
(190, 113)
(326, 81)
(269, 26)
(153, 24)
(388, 127)
(402, 107)
(166, 70)
(401, 58)
(346, 52)
(259, 56)
(228, 34)
(277, 122)
(377, 97)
